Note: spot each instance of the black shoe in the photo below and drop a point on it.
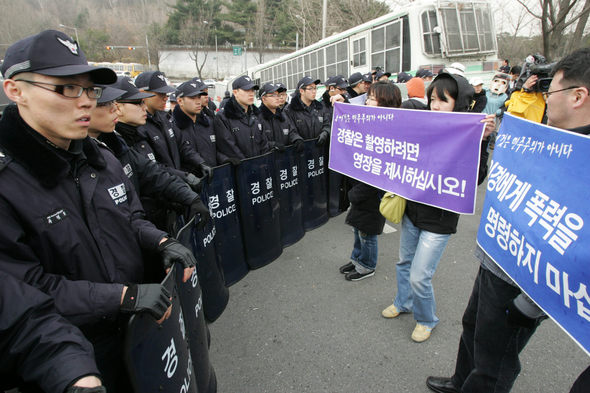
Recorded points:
(441, 385)
(349, 267)
(356, 276)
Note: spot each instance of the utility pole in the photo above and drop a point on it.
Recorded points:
(324, 18)
(147, 46)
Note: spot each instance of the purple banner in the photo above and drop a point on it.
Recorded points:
(424, 156)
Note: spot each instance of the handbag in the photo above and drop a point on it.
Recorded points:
(392, 207)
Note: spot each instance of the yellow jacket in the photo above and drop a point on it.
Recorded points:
(530, 106)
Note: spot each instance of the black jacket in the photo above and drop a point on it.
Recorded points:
(277, 127)
(310, 120)
(199, 137)
(434, 219)
(37, 344)
(71, 225)
(238, 133)
(479, 102)
(413, 103)
(364, 212)
(329, 108)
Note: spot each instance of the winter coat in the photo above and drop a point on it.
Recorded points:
(415, 103)
(199, 137)
(480, 101)
(364, 212)
(238, 134)
(277, 127)
(310, 120)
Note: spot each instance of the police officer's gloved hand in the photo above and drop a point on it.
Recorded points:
(198, 207)
(206, 171)
(194, 182)
(515, 318)
(78, 389)
(151, 298)
(322, 138)
(299, 145)
(278, 147)
(233, 160)
(172, 251)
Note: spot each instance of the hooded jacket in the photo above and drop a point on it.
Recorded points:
(434, 219)
(310, 120)
(277, 127)
(479, 102)
(364, 212)
(197, 138)
(238, 134)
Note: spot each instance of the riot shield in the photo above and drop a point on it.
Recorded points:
(287, 170)
(223, 204)
(259, 210)
(157, 356)
(313, 181)
(337, 199)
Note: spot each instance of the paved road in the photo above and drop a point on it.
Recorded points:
(297, 326)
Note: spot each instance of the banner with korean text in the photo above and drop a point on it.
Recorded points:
(424, 156)
(532, 224)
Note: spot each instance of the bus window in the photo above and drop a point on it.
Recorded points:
(430, 35)
(467, 29)
(359, 53)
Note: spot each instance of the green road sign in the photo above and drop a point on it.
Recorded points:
(237, 50)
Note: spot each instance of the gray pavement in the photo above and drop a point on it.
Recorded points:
(296, 325)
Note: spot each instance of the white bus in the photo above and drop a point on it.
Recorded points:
(426, 34)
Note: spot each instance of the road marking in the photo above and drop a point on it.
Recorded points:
(389, 229)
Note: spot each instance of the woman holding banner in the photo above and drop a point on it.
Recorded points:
(427, 229)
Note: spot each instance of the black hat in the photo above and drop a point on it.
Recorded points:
(306, 81)
(282, 86)
(271, 88)
(51, 53)
(190, 89)
(379, 74)
(403, 77)
(172, 97)
(338, 81)
(154, 81)
(132, 93)
(244, 82)
(109, 93)
(424, 73)
(357, 78)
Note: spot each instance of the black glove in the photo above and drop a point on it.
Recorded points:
(206, 171)
(515, 318)
(172, 251)
(198, 207)
(279, 147)
(299, 145)
(151, 298)
(233, 160)
(78, 389)
(322, 138)
(194, 182)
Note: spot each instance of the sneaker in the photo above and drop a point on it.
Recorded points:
(390, 312)
(356, 276)
(347, 268)
(421, 333)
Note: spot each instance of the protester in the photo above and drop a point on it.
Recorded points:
(416, 95)
(278, 129)
(496, 95)
(479, 98)
(427, 229)
(306, 113)
(505, 68)
(71, 223)
(364, 215)
(527, 102)
(455, 69)
(499, 319)
(238, 132)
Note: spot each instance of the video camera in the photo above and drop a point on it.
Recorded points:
(536, 65)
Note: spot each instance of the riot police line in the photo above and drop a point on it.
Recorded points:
(259, 207)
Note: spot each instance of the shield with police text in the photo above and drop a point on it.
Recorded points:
(157, 355)
(337, 198)
(287, 172)
(259, 209)
(313, 181)
(193, 306)
(223, 205)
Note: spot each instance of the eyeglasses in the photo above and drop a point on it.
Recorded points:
(272, 95)
(138, 103)
(310, 88)
(547, 93)
(67, 90)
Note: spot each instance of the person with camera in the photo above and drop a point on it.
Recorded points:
(499, 319)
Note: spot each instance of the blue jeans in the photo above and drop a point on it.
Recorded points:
(419, 254)
(364, 253)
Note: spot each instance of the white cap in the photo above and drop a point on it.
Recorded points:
(456, 68)
(476, 81)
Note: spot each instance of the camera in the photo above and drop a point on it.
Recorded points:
(536, 65)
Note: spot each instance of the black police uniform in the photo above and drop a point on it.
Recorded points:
(277, 127)
(238, 133)
(198, 137)
(310, 121)
(38, 345)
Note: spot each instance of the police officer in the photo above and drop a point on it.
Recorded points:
(277, 127)
(282, 96)
(148, 178)
(70, 223)
(306, 113)
(380, 75)
(206, 101)
(226, 97)
(358, 84)
(237, 127)
(173, 102)
(39, 346)
(159, 128)
(195, 125)
(335, 92)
